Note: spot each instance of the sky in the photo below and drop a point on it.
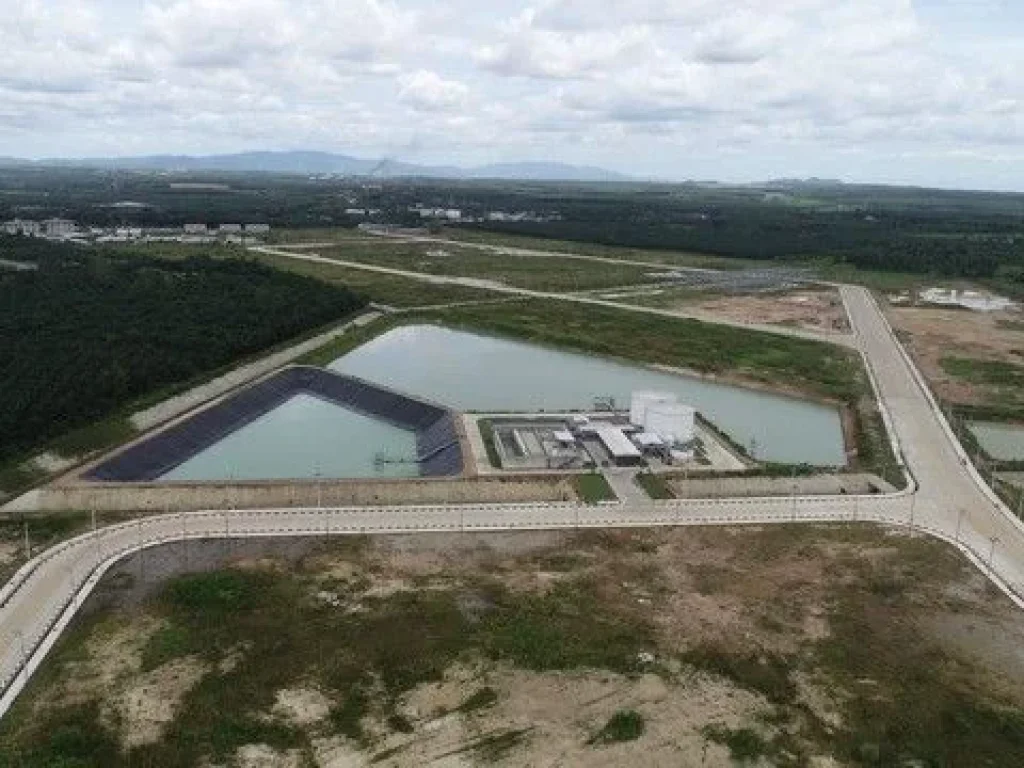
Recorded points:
(927, 92)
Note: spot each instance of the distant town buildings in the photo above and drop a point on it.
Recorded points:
(66, 229)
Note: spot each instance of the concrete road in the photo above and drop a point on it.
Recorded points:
(949, 502)
(579, 298)
(951, 496)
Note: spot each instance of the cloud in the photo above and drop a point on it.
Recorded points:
(428, 91)
(594, 81)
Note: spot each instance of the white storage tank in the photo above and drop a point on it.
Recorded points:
(640, 401)
(673, 422)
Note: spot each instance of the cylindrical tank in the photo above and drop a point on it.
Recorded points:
(640, 401)
(673, 422)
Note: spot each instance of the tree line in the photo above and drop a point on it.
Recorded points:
(90, 331)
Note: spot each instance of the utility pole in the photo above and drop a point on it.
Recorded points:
(913, 503)
(24, 655)
(992, 550)
(959, 523)
(28, 545)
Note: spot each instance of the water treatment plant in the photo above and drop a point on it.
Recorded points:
(479, 414)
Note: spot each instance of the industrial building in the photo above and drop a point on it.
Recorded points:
(658, 431)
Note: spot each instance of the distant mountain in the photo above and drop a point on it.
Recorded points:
(545, 172)
(329, 162)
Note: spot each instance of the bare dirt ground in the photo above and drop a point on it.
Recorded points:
(751, 644)
(815, 310)
(937, 333)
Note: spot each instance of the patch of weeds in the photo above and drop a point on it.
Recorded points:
(493, 747)
(485, 697)
(570, 627)
(215, 593)
(624, 725)
(167, 643)
(348, 716)
(745, 745)
(765, 674)
(654, 485)
(71, 737)
(486, 427)
(399, 723)
(593, 487)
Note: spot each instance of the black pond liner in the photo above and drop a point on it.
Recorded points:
(439, 452)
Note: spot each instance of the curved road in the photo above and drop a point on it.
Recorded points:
(949, 502)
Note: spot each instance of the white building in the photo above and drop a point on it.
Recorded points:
(231, 229)
(619, 447)
(640, 401)
(257, 229)
(195, 229)
(23, 227)
(673, 422)
(58, 227)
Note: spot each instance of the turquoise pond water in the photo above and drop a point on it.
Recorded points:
(1000, 441)
(305, 436)
(467, 371)
(301, 438)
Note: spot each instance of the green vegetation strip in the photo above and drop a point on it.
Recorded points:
(593, 488)
(392, 290)
(534, 272)
(995, 374)
(654, 485)
(816, 368)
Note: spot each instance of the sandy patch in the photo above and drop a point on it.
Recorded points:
(52, 463)
(113, 654)
(151, 701)
(557, 714)
(301, 706)
(337, 752)
(821, 310)
(263, 756)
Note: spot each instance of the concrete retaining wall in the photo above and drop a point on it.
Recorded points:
(160, 497)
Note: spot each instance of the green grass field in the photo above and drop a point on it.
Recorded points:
(539, 273)
(593, 487)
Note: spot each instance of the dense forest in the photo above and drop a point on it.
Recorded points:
(942, 232)
(87, 332)
(951, 245)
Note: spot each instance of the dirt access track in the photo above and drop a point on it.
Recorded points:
(814, 310)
